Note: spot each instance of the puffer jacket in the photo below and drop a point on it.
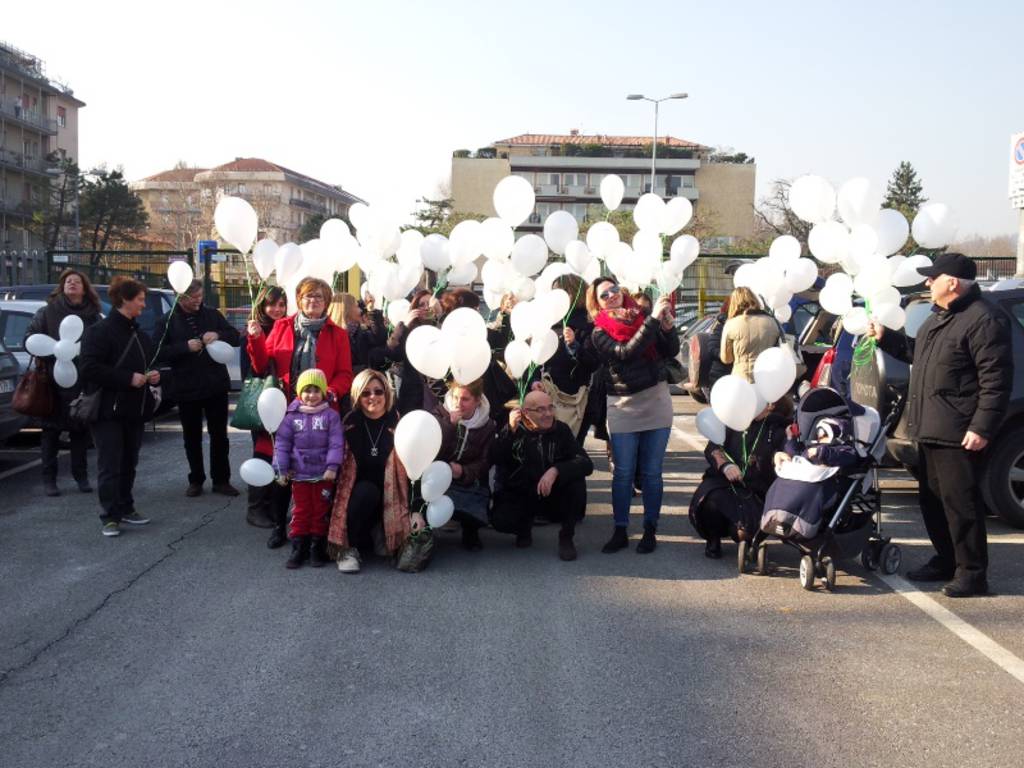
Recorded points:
(309, 442)
(627, 369)
(962, 371)
(746, 336)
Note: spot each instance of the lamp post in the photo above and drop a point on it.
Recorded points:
(656, 102)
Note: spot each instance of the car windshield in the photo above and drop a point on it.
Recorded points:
(917, 313)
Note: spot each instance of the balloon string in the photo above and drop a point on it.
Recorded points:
(572, 307)
(260, 294)
(167, 327)
(523, 380)
(442, 282)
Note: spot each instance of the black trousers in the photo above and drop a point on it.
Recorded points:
(215, 409)
(365, 510)
(49, 446)
(117, 455)
(513, 511)
(951, 505)
(271, 501)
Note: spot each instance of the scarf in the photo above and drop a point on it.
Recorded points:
(306, 332)
(323, 406)
(623, 324)
(477, 420)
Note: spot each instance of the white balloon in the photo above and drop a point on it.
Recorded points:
(543, 345)
(435, 253)
(517, 357)
(287, 262)
(429, 351)
(906, 274)
(783, 313)
(873, 278)
(64, 372)
(709, 425)
(667, 278)
(263, 257)
(65, 350)
(863, 241)
(435, 481)
(685, 250)
(236, 222)
(746, 276)
(890, 315)
(514, 200)
(397, 310)
(554, 306)
(220, 351)
(887, 295)
(359, 215)
(40, 345)
(497, 275)
(417, 439)
(835, 301)
(812, 199)
(856, 321)
(256, 472)
(409, 276)
(464, 274)
(800, 275)
(678, 212)
(471, 357)
(858, 202)
(612, 189)
(497, 238)
(529, 255)
(440, 511)
(829, 241)
(71, 328)
(934, 225)
(649, 212)
(560, 229)
(734, 402)
(464, 321)
(271, 406)
(774, 373)
(523, 288)
(893, 229)
(523, 319)
(578, 256)
(784, 251)
(179, 275)
(465, 243)
(647, 246)
(334, 230)
(601, 238)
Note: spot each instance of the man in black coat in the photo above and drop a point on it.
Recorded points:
(199, 384)
(541, 470)
(959, 390)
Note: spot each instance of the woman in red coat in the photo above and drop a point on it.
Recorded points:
(307, 339)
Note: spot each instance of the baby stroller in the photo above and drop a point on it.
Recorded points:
(854, 523)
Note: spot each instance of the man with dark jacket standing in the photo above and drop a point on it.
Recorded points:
(199, 384)
(540, 470)
(959, 390)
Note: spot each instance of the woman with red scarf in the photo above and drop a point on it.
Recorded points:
(633, 346)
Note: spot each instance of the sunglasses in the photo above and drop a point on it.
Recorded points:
(607, 294)
(372, 393)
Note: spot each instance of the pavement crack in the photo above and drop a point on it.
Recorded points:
(172, 549)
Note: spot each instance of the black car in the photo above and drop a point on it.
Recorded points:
(158, 300)
(875, 384)
(11, 422)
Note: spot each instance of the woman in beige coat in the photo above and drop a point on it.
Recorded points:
(748, 332)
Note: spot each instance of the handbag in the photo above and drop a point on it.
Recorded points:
(570, 409)
(84, 410)
(34, 395)
(247, 415)
(416, 551)
(674, 371)
(789, 343)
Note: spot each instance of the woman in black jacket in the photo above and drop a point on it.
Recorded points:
(367, 333)
(115, 361)
(73, 295)
(633, 347)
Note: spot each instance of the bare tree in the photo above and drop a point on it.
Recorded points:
(773, 215)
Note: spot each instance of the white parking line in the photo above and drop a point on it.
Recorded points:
(697, 442)
(22, 468)
(969, 634)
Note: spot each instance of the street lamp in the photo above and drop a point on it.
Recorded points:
(656, 102)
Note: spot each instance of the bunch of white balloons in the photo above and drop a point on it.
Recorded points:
(417, 442)
(65, 349)
(271, 407)
(459, 345)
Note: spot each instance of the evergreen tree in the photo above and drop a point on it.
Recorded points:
(904, 191)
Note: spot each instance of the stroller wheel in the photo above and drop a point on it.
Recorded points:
(891, 558)
(762, 558)
(830, 573)
(807, 572)
(868, 558)
(741, 556)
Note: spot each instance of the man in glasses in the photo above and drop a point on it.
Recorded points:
(541, 470)
(198, 384)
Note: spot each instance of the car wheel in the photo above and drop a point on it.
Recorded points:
(1003, 485)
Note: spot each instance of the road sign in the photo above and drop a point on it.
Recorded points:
(1017, 170)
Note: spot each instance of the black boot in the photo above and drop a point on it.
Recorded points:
(318, 552)
(471, 538)
(300, 552)
(566, 547)
(50, 488)
(258, 511)
(619, 540)
(713, 549)
(648, 542)
(278, 538)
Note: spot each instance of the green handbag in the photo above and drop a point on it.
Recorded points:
(247, 415)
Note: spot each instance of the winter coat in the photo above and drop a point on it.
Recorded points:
(333, 355)
(470, 448)
(102, 345)
(962, 371)
(308, 444)
(522, 456)
(716, 368)
(367, 341)
(627, 367)
(746, 336)
(193, 375)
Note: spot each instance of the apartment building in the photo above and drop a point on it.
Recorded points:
(566, 171)
(38, 127)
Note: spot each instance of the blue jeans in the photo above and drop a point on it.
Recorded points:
(646, 451)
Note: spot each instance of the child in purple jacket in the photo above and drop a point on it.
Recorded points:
(308, 451)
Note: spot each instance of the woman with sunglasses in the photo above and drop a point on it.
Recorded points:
(633, 347)
(372, 496)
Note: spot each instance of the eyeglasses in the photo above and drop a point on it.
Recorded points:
(372, 393)
(605, 295)
(541, 409)
(314, 298)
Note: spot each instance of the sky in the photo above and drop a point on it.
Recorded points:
(375, 96)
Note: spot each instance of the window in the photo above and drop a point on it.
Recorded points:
(528, 175)
(917, 313)
(553, 179)
(632, 181)
(15, 326)
(62, 117)
(688, 182)
(1017, 310)
(544, 210)
(595, 180)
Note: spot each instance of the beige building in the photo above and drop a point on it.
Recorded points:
(38, 127)
(566, 171)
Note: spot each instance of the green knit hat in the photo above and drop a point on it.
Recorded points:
(313, 377)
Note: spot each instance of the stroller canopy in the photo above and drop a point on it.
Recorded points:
(819, 403)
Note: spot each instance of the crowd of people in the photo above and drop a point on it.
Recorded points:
(342, 493)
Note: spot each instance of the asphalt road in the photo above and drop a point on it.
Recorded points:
(187, 643)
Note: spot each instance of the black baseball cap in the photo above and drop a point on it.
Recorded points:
(952, 264)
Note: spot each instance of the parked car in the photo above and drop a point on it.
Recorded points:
(11, 422)
(1002, 483)
(158, 300)
(15, 317)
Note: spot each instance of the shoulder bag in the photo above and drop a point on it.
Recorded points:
(84, 410)
(247, 415)
(34, 395)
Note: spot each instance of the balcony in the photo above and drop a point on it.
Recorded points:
(308, 205)
(10, 208)
(14, 110)
(608, 164)
(22, 162)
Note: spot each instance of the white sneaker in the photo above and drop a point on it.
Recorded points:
(349, 562)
